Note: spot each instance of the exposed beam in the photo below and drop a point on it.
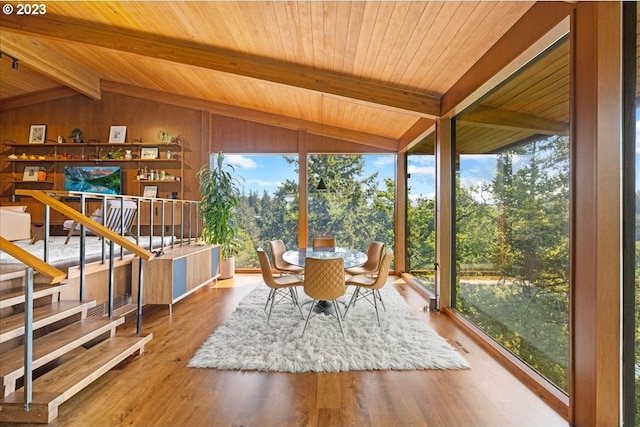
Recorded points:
(36, 97)
(504, 119)
(38, 55)
(184, 52)
(416, 133)
(252, 115)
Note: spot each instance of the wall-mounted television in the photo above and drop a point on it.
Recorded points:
(93, 179)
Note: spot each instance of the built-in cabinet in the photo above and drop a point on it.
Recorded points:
(174, 275)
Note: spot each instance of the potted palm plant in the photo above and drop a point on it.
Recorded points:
(219, 197)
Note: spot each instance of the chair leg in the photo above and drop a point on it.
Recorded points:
(377, 291)
(352, 301)
(375, 305)
(71, 230)
(294, 297)
(308, 317)
(271, 292)
(339, 316)
(273, 300)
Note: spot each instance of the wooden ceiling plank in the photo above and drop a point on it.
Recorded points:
(37, 55)
(252, 115)
(184, 52)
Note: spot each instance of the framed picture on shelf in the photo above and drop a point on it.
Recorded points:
(149, 153)
(150, 191)
(117, 135)
(37, 134)
(30, 173)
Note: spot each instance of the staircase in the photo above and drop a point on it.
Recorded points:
(70, 349)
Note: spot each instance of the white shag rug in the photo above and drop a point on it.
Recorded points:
(403, 342)
(59, 252)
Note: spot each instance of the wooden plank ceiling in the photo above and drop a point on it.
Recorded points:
(369, 72)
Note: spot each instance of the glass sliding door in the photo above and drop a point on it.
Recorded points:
(421, 212)
(512, 200)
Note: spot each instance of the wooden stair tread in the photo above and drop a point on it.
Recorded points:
(55, 387)
(54, 345)
(13, 326)
(125, 310)
(79, 372)
(13, 296)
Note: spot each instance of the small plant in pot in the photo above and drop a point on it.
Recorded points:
(219, 198)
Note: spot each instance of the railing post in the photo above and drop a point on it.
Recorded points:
(111, 278)
(181, 222)
(121, 224)
(47, 220)
(138, 204)
(162, 224)
(197, 220)
(173, 223)
(83, 238)
(150, 225)
(190, 215)
(104, 222)
(140, 288)
(28, 339)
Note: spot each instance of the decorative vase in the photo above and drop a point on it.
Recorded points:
(227, 268)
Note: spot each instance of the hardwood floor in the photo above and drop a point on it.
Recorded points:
(157, 389)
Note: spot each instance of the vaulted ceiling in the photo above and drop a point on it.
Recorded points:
(369, 72)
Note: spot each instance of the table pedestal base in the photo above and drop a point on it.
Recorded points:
(321, 306)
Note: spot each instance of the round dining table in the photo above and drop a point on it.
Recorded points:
(351, 257)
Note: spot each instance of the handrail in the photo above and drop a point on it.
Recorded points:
(95, 227)
(33, 261)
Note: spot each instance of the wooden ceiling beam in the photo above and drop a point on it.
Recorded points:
(251, 115)
(37, 97)
(37, 55)
(416, 133)
(184, 52)
(503, 119)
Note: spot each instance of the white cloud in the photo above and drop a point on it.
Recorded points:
(421, 170)
(384, 161)
(262, 183)
(241, 161)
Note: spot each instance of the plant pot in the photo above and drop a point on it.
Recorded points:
(227, 268)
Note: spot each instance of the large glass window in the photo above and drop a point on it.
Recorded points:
(269, 206)
(357, 206)
(512, 214)
(421, 212)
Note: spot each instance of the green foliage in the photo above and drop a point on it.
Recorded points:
(220, 196)
(353, 210)
(518, 227)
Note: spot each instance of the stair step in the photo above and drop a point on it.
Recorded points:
(125, 310)
(60, 384)
(13, 326)
(13, 296)
(53, 346)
